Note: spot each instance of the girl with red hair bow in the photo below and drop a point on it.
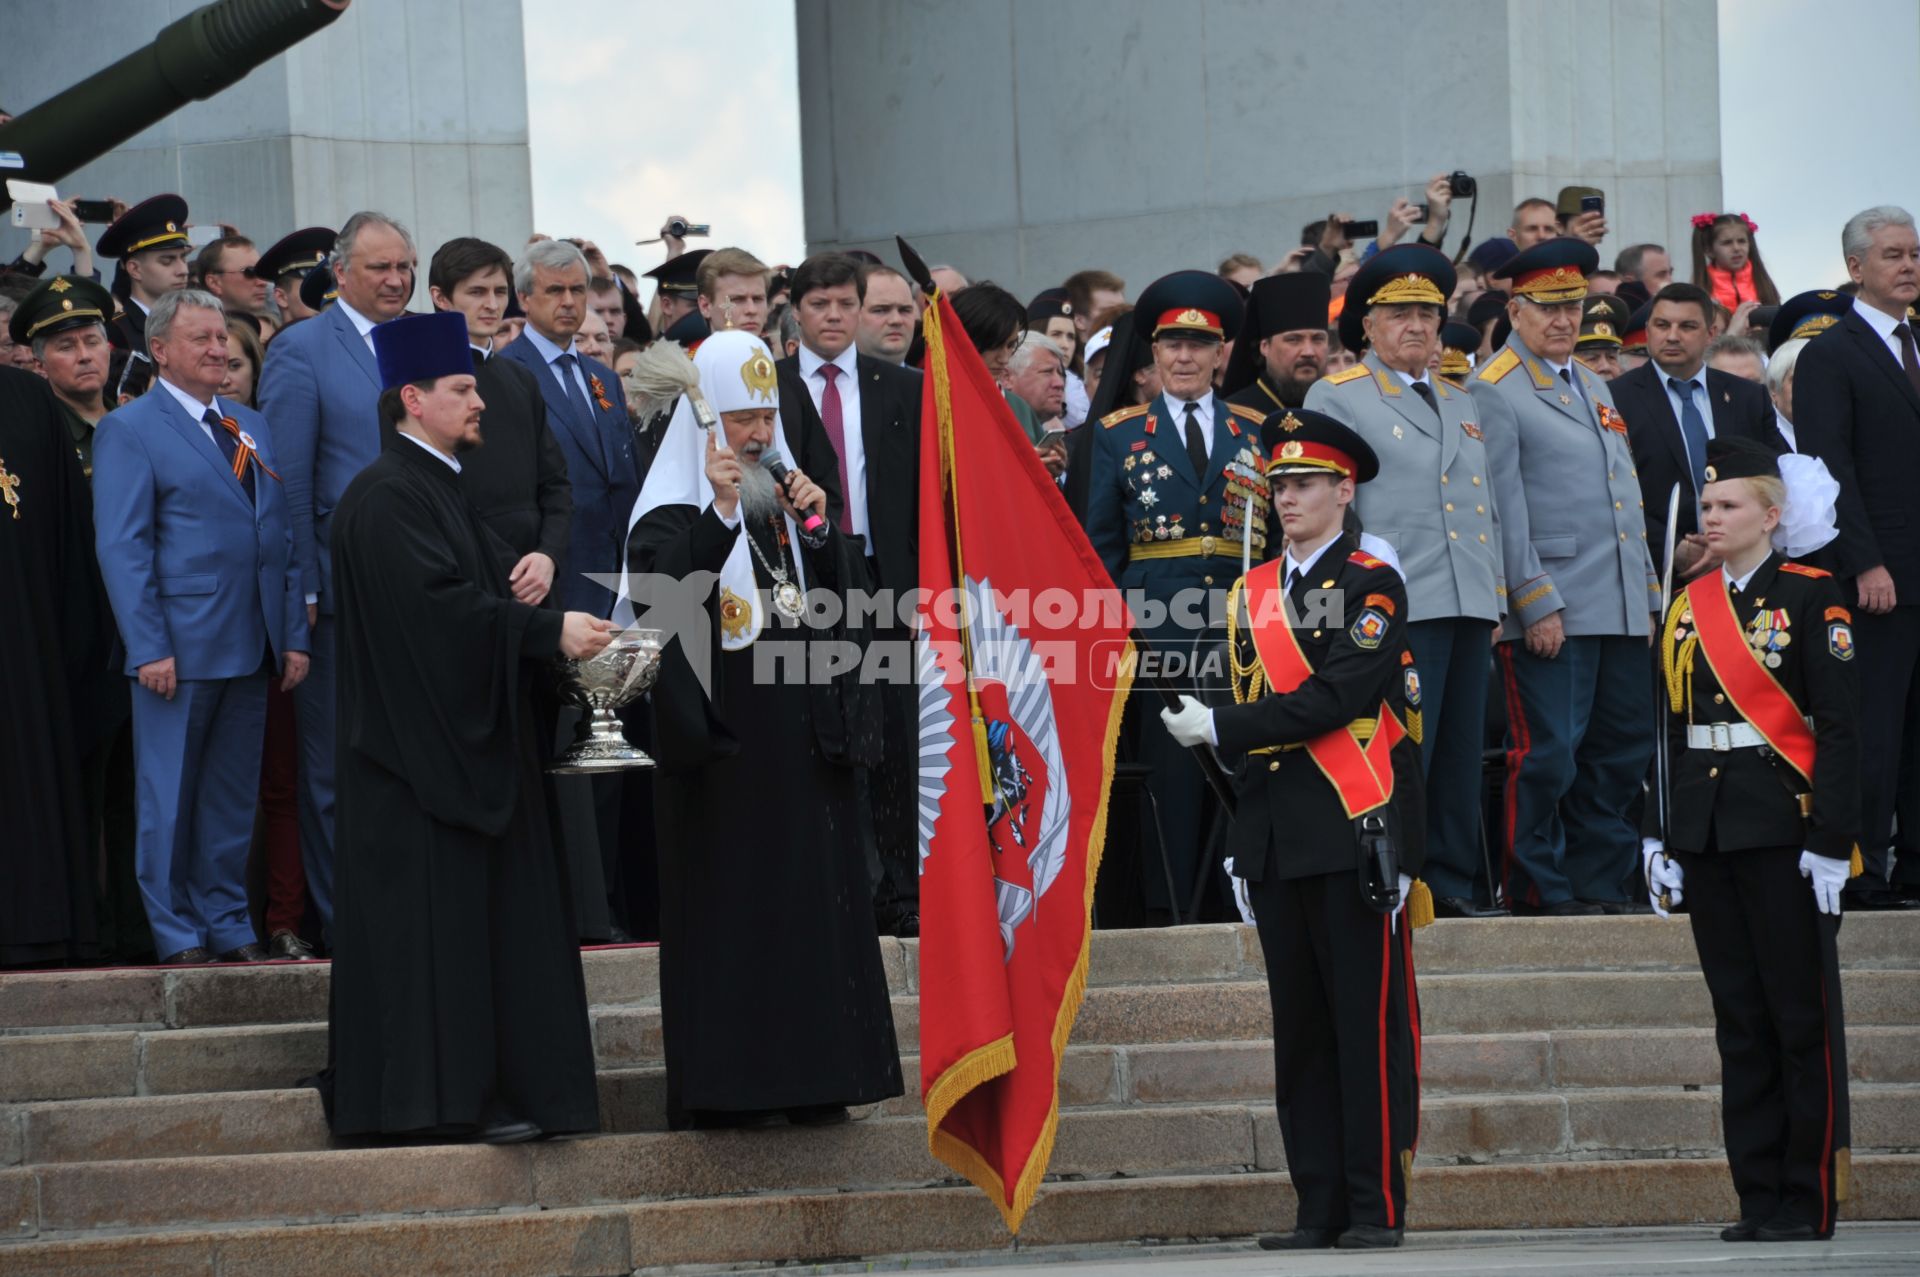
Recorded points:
(1726, 260)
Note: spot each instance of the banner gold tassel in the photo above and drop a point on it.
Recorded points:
(1419, 905)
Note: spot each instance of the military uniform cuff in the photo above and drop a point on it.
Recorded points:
(1535, 602)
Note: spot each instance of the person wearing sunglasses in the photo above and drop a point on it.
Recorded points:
(227, 268)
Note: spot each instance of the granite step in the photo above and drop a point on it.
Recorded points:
(201, 997)
(316, 1186)
(1514, 1067)
(795, 1227)
(159, 1061)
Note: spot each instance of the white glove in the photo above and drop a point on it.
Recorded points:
(1191, 724)
(1393, 919)
(1242, 898)
(1664, 876)
(1828, 876)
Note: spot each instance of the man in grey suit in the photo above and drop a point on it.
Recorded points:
(320, 393)
(1582, 590)
(1432, 502)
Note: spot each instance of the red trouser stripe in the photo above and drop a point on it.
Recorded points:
(1826, 1143)
(1516, 756)
(1386, 1116)
(1413, 1023)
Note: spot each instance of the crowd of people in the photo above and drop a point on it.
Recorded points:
(295, 567)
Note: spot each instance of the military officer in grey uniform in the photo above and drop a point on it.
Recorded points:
(1170, 487)
(1433, 504)
(1581, 596)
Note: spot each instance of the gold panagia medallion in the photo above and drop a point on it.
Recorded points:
(736, 613)
(759, 376)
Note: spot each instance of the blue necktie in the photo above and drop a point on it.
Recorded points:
(568, 362)
(1693, 430)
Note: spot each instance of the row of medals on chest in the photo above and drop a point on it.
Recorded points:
(1244, 485)
(1766, 633)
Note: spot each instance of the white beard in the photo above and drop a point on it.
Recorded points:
(757, 493)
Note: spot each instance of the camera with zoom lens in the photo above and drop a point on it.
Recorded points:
(1462, 185)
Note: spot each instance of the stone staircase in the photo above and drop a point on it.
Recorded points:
(147, 1125)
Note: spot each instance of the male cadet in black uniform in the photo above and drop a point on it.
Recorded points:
(1433, 503)
(1603, 321)
(286, 265)
(1286, 347)
(150, 241)
(1765, 802)
(1328, 790)
(1169, 484)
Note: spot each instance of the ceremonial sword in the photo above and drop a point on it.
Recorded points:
(1661, 762)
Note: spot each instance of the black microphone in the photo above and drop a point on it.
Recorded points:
(813, 528)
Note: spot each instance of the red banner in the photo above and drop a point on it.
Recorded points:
(1019, 714)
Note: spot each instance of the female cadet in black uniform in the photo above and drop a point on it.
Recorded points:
(1764, 805)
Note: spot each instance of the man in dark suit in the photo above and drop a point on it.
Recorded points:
(1856, 406)
(586, 413)
(518, 479)
(862, 419)
(320, 392)
(1674, 404)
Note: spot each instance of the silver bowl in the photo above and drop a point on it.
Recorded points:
(618, 676)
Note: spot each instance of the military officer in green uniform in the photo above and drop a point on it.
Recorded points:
(65, 321)
(1171, 485)
(1432, 501)
(1761, 830)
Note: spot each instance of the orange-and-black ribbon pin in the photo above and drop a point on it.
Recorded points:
(600, 393)
(245, 452)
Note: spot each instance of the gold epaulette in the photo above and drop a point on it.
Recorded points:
(1801, 569)
(1114, 418)
(1499, 366)
(1251, 415)
(1346, 375)
(1457, 385)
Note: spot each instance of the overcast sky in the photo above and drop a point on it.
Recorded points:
(692, 108)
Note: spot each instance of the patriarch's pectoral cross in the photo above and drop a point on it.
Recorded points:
(10, 487)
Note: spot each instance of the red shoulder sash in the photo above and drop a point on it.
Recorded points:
(1749, 685)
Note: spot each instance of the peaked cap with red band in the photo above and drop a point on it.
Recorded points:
(1309, 442)
(1192, 303)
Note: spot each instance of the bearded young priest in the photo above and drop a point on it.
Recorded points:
(773, 999)
(459, 1009)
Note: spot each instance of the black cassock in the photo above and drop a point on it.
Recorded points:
(51, 658)
(458, 998)
(773, 995)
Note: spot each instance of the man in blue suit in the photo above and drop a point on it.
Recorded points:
(191, 530)
(587, 412)
(320, 390)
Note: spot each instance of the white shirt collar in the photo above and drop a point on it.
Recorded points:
(1741, 582)
(481, 351)
(1203, 409)
(1409, 378)
(194, 408)
(1785, 428)
(1699, 378)
(847, 361)
(1879, 320)
(415, 439)
(144, 308)
(361, 324)
(548, 351)
(1295, 565)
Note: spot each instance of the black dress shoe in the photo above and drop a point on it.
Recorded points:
(908, 927)
(1302, 1239)
(1786, 1232)
(284, 946)
(733, 1120)
(246, 953)
(819, 1115)
(1741, 1232)
(1461, 907)
(618, 935)
(1570, 909)
(196, 956)
(1621, 907)
(1873, 899)
(1369, 1237)
(508, 1131)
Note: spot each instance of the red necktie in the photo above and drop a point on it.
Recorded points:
(830, 416)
